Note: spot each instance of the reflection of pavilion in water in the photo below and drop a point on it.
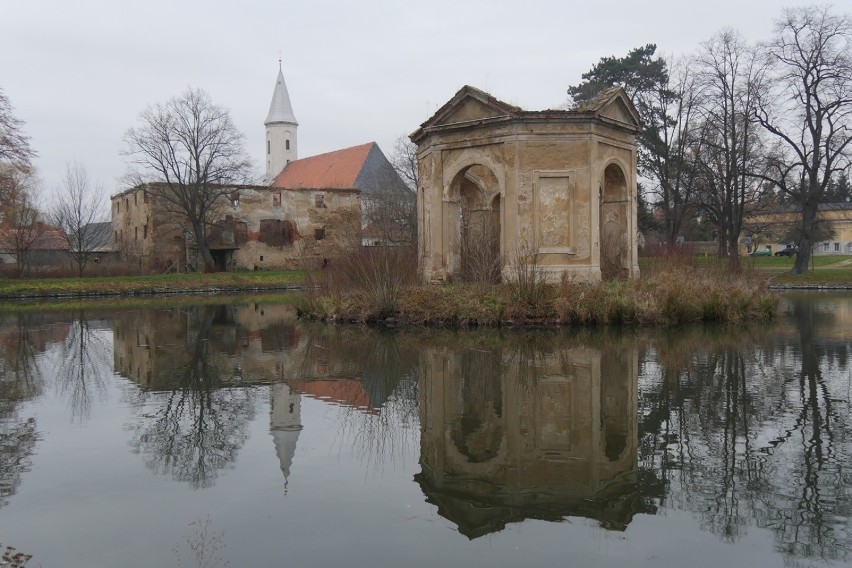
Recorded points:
(508, 436)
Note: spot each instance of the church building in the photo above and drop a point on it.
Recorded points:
(309, 210)
(363, 168)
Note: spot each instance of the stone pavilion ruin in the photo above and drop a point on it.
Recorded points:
(503, 189)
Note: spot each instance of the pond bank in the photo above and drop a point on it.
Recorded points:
(662, 300)
(162, 284)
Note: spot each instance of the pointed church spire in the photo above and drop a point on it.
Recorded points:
(281, 130)
(280, 110)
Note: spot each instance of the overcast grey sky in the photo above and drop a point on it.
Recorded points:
(79, 73)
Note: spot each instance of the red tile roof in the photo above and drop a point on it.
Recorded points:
(346, 392)
(49, 239)
(333, 170)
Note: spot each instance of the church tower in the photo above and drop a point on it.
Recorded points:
(281, 129)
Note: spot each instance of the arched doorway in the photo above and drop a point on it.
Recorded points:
(478, 233)
(614, 238)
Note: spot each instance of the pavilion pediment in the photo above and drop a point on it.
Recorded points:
(470, 109)
(615, 105)
(470, 104)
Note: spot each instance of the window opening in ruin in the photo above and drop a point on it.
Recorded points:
(276, 199)
(319, 200)
(145, 232)
(235, 199)
(136, 233)
(319, 234)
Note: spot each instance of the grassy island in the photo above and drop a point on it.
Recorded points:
(376, 288)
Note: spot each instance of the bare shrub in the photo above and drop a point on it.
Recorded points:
(529, 283)
(376, 275)
(480, 248)
(670, 257)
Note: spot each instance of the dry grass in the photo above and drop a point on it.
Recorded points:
(670, 297)
(368, 281)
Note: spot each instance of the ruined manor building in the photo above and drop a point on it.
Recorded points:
(310, 212)
(259, 227)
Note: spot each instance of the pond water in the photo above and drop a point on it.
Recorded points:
(200, 436)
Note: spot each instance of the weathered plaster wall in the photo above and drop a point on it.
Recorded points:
(548, 172)
(260, 226)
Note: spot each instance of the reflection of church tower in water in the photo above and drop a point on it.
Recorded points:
(528, 433)
(285, 423)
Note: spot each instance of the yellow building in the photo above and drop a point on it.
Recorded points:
(834, 233)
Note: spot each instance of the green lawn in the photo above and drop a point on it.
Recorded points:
(819, 276)
(139, 285)
(786, 262)
(829, 270)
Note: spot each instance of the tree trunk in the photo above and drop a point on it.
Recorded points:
(733, 254)
(723, 241)
(204, 248)
(806, 241)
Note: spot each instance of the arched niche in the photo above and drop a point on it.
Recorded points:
(474, 214)
(614, 224)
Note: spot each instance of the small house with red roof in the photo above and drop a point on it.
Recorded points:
(34, 246)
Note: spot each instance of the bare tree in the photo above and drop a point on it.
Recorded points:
(808, 111)
(404, 161)
(673, 140)
(190, 154)
(78, 210)
(731, 73)
(388, 198)
(20, 226)
(14, 145)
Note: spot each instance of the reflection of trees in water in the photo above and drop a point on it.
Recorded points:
(17, 442)
(20, 381)
(84, 364)
(743, 430)
(386, 365)
(20, 377)
(196, 429)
